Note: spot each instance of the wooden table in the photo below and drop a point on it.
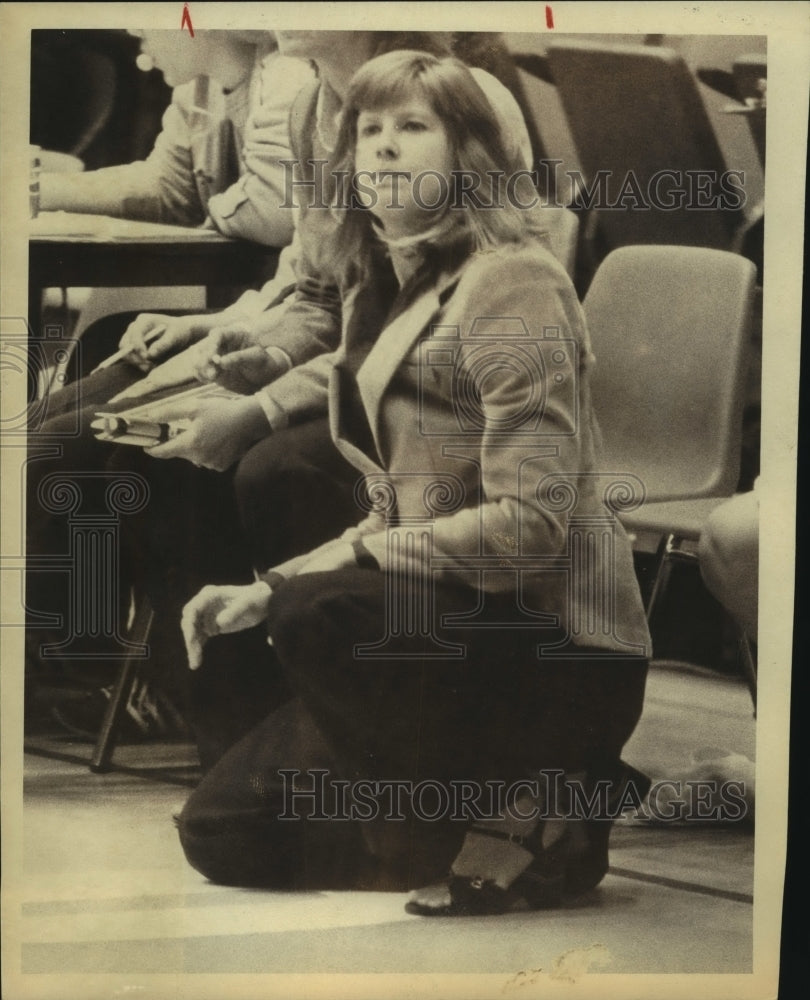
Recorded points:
(69, 250)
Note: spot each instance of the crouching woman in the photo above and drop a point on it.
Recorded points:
(480, 630)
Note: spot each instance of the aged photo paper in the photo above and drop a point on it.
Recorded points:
(98, 899)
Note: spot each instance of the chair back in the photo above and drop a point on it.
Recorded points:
(670, 329)
(646, 146)
(751, 79)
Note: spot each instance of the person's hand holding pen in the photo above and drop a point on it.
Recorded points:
(230, 356)
(151, 336)
(122, 354)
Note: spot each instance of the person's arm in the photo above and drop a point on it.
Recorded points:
(257, 206)
(241, 325)
(253, 302)
(538, 291)
(307, 332)
(160, 188)
(224, 430)
(307, 326)
(347, 550)
(217, 610)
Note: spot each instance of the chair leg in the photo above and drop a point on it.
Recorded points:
(669, 553)
(660, 580)
(108, 734)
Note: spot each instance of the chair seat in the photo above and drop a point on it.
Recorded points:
(684, 518)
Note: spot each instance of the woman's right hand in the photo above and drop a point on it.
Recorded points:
(219, 610)
(231, 356)
(152, 335)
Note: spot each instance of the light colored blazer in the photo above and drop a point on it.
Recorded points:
(218, 157)
(480, 427)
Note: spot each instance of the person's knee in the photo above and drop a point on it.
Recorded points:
(301, 457)
(212, 838)
(237, 847)
(306, 606)
(221, 856)
(712, 560)
(729, 559)
(728, 545)
(200, 838)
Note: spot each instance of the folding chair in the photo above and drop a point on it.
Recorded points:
(637, 119)
(670, 328)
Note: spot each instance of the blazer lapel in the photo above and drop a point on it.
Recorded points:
(394, 344)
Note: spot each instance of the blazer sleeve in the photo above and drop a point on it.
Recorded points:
(160, 188)
(310, 322)
(508, 519)
(257, 206)
(291, 568)
(253, 302)
(300, 394)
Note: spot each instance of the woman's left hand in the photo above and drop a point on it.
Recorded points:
(219, 435)
(338, 555)
(220, 610)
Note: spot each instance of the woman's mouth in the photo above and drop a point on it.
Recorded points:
(388, 176)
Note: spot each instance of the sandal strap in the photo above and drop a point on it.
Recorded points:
(522, 840)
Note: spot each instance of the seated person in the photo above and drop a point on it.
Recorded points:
(217, 160)
(373, 698)
(152, 338)
(729, 559)
(305, 324)
(728, 552)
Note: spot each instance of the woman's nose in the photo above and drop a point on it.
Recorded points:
(388, 144)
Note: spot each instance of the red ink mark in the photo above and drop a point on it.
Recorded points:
(549, 18)
(186, 20)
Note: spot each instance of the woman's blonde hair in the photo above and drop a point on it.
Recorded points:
(477, 150)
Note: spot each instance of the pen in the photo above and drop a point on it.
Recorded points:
(111, 427)
(120, 355)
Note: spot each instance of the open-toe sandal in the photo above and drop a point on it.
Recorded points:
(539, 886)
(575, 863)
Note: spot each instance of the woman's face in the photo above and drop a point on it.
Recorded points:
(403, 163)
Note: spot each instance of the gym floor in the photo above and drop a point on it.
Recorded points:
(106, 889)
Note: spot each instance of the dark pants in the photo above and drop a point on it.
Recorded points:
(294, 491)
(62, 442)
(62, 445)
(498, 714)
(185, 535)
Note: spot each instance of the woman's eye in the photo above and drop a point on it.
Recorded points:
(414, 126)
(369, 129)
